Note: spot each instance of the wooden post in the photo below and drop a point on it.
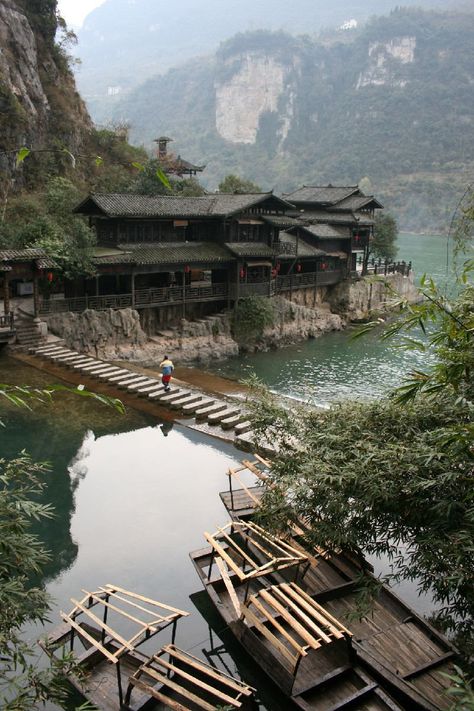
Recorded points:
(6, 293)
(237, 285)
(97, 285)
(184, 293)
(132, 276)
(35, 296)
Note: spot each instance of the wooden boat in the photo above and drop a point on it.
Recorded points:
(397, 645)
(307, 652)
(113, 674)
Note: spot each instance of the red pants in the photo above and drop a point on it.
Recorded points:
(165, 379)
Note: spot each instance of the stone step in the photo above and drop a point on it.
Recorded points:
(126, 381)
(59, 355)
(203, 412)
(246, 440)
(193, 406)
(161, 393)
(89, 361)
(92, 369)
(53, 351)
(77, 361)
(121, 376)
(45, 349)
(215, 418)
(228, 423)
(186, 400)
(105, 371)
(243, 427)
(145, 391)
(116, 373)
(49, 346)
(170, 397)
(135, 386)
(65, 360)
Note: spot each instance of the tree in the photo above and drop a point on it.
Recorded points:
(152, 180)
(393, 477)
(383, 244)
(238, 186)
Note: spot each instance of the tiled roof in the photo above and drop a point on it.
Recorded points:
(358, 202)
(338, 218)
(131, 205)
(46, 263)
(21, 255)
(322, 194)
(301, 248)
(168, 253)
(250, 249)
(282, 221)
(322, 231)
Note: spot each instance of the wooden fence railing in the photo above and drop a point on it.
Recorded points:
(7, 320)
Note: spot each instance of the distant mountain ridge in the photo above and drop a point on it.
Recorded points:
(392, 102)
(124, 42)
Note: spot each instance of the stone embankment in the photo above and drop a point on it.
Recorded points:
(118, 335)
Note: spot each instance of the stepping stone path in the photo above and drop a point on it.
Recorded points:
(191, 403)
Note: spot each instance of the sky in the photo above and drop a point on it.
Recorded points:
(75, 11)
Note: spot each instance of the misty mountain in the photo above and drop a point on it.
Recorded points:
(124, 42)
(392, 103)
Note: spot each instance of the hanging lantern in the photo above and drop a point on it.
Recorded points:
(357, 238)
(187, 268)
(242, 273)
(278, 266)
(323, 265)
(298, 268)
(274, 273)
(50, 277)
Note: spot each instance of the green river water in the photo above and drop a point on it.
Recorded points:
(132, 498)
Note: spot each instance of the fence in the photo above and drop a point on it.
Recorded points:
(7, 321)
(384, 267)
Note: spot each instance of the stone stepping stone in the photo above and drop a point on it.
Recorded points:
(161, 393)
(215, 417)
(89, 369)
(78, 361)
(243, 427)
(47, 349)
(60, 356)
(186, 400)
(57, 351)
(136, 386)
(193, 406)
(114, 372)
(70, 359)
(88, 361)
(246, 440)
(228, 423)
(170, 397)
(121, 376)
(125, 382)
(108, 370)
(203, 412)
(149, 389)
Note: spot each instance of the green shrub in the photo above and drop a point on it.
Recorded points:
(251, 316)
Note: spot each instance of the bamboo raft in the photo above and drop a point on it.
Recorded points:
(395, 644)
(113, 675)
(257, 588)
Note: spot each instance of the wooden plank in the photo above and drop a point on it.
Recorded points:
(201, 684)
(86, 635)
(233, 544)
(168, 702)
(317, 629)
(120, 611)
(312, 610)
(273, 621)
(152, 613)
(227, 582)
(353, 698)
(277, 542)
(104, 626)
(223, 554)
(428, 666)
(174, 651)
(274, 641)
(263, 461)
(288, 617)
(320, 609)
(136, 596)
(177, 687)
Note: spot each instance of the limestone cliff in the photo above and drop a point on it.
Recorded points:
(39, 105)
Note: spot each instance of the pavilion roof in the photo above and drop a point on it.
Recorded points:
(322, 194)
(166, 253)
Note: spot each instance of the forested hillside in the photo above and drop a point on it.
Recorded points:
(123, 43)
(392, 102)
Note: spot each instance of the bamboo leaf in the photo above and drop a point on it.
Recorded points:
(21, 155)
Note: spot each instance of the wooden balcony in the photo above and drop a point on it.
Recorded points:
(140, 299)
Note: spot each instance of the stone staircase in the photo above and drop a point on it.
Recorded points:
(28, 334)
(204, 408)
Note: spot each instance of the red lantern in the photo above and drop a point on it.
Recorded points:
(357, 238)
(298, 267)
(242, 273)
(49, 277)
(187, 268)
(274, 273)
(278, 266)
(323, 265)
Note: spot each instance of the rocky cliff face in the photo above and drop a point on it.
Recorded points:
(39, 105)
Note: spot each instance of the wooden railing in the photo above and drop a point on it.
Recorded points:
(7, 321)
(142, 298)
(302, 281)
(384, 267)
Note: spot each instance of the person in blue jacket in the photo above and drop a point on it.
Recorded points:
(167, 368)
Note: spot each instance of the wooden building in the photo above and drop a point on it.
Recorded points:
(191, 256)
